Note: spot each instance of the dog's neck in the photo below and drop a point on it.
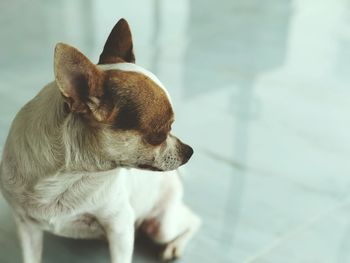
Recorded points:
(51, 139)
(81, 149)
(79, 142)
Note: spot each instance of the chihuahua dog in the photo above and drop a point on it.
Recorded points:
(92, 156)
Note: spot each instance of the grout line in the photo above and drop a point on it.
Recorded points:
(239, 166)
(290, 234)
(218, 157)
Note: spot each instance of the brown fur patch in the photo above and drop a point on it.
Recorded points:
(140, 104)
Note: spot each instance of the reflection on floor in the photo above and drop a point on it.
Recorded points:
(259, 87)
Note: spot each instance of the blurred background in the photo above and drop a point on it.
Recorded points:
(260, 89)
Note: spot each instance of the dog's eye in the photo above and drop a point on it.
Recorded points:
(156, 139)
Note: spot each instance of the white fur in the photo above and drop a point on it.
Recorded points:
(117, 199)
(135, 68)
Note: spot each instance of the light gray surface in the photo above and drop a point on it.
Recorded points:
(261, 90)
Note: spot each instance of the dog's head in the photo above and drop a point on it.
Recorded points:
(125, 104)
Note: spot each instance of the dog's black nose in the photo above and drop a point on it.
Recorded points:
(187, 153)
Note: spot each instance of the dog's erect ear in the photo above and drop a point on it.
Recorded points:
(80, 81)
(119, 45)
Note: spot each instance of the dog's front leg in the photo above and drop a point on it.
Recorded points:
(120, 233)
(31, 239)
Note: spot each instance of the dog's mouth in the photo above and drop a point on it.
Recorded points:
(149, 167)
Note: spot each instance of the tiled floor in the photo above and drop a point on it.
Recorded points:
(261, 89)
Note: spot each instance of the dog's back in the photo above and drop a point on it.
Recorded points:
(32, 149)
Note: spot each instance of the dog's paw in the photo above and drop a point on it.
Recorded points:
(172, 251)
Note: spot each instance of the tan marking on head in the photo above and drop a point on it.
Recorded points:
(134, 68)
(141, 105)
